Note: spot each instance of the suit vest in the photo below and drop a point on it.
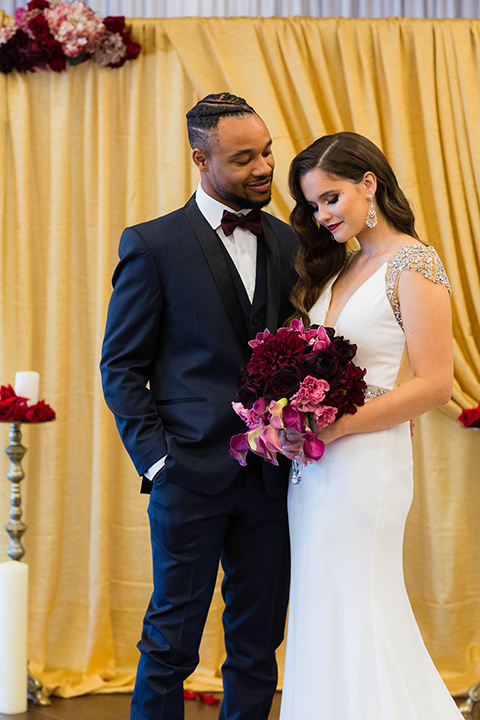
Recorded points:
(255, 312)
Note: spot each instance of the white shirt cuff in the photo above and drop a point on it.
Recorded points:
(153, 469)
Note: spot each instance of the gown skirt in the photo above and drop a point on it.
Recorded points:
(354, 650)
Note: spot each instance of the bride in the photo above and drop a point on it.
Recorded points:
(354, 650)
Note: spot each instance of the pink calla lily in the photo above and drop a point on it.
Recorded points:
(262, 449)
(313, 448)
(293, 419)
(239, 448)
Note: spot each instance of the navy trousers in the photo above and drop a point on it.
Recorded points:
(191, 532)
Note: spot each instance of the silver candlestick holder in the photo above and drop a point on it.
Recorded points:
(16, 528)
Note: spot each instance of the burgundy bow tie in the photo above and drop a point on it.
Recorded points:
(251, 221)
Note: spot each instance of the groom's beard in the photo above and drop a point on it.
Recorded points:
(242, 201)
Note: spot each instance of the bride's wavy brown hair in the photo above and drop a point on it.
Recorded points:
(344, 155)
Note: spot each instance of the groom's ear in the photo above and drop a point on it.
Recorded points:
(200, 159)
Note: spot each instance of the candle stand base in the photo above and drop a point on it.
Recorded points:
(473, 698)
(15, 528)
(35, 691)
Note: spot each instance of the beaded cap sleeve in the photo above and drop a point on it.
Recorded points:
(421, 258)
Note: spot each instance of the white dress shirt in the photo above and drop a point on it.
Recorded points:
(241, 244)
(242, 248)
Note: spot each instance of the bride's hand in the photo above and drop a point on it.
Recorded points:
(332, 432)
(291, 442)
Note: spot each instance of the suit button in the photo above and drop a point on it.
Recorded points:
(255, 321)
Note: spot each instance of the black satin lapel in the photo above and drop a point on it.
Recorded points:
(273, 275)
(209, 240)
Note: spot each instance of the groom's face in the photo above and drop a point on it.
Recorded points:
(237, 168)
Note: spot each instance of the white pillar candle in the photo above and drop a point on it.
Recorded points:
(26, 385)
(13, 637)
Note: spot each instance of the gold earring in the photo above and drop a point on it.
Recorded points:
(371, 219)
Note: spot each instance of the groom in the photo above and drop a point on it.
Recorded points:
(190, 290)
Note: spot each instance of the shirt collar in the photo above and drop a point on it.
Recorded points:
(212, 209)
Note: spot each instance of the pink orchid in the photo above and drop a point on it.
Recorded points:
(259, 338)
(320, 341)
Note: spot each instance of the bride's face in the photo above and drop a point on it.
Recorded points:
(339, 205)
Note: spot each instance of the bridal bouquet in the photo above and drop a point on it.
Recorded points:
(295, 379)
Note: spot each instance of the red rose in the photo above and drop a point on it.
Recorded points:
(57, 62)
(114, 24)
(38, 26)
(284, 383)
(41, 412)
(344, 348)
(13, 409)
(249, 389)
(7, 391)
(38, 5)
(470, 417)
(133, 48)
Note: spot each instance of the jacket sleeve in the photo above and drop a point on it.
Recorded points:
(129, 349)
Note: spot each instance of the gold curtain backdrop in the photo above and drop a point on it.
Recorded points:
(88, 151)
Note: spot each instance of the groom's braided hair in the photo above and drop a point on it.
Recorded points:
(203, 118)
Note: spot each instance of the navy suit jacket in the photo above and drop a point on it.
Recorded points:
(175, 340)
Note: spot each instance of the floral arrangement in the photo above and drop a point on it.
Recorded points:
(296, 381)
(48, 34)
(470, 418)
(14, 408)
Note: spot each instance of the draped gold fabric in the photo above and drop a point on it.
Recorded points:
(85, 153)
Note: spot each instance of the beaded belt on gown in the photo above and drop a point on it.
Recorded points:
(374, 391)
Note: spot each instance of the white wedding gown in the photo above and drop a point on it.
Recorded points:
(354, 650)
